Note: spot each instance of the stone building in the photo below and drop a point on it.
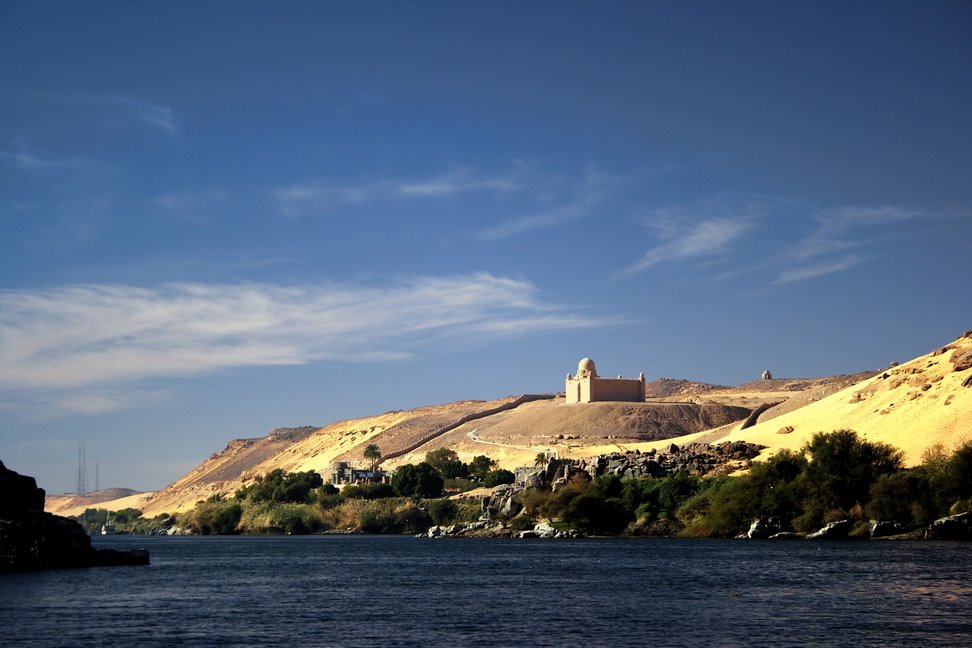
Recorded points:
(588, 387)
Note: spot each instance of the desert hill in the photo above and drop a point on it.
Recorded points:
(912, 406)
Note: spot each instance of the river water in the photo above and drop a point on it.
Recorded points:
(395, 590)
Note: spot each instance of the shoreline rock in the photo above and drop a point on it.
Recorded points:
(32, 539)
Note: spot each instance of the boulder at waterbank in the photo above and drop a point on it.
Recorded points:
(883, 529)
(953, 527)
(833, 531)
(762, 528)
(31, 539)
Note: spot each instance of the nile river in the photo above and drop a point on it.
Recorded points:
(393, 590)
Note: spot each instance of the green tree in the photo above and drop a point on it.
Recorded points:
(497, 477)
(480, 465)
(903, 497)
(439, 456)
(843, 467)
(594, 513)
(420, 480)
(959, 472)
(446, 462)
(373, 454)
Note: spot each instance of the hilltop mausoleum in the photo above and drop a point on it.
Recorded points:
(588, 387)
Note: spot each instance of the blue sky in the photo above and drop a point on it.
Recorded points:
(220, 218)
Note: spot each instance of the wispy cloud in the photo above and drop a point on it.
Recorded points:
(85, 336)
(818, 269)
(537, 221)
(692, 233)
(155, 115)
(572, 200)
(64, 200)
(838, 234)
(456, 183)
(320, 196)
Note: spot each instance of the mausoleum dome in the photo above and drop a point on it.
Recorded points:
(585, 365)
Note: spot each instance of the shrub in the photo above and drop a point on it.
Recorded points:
(368, 491)
(459, 485)
(294, 518)
(522, 523)
(216, 517)
(443, 511)
(385, 516)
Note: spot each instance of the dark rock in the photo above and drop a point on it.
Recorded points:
(18, 493)
(953, 527)
(962, 359)
(762, 528)
(884, 529)
(31, 539)
(833, 531)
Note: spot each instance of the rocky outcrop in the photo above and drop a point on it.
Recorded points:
(953, 527)
(884, 529)
(31, 539)
(693, 458)
(833, 531)
(763, 528)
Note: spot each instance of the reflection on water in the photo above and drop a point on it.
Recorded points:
(390, 590)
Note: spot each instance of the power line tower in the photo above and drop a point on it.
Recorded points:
(97, 485)
(82, 485)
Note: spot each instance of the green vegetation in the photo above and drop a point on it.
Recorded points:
(278, 486)
(480, 465)
(373, 454)
(421, 480)
(127, 520)
(446, 462)
(835, 476)
(497, 477)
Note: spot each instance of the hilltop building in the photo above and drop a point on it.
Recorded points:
(588, 387)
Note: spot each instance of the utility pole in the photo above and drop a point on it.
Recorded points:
(82, 485)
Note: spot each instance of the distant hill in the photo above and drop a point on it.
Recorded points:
(58, 503)
(667, 387)
(912, 406)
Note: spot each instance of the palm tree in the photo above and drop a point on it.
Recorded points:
(541, 460)
(372, 453)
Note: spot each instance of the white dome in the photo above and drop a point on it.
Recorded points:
(585, 365)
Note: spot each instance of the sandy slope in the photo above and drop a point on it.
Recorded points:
(912, 407)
